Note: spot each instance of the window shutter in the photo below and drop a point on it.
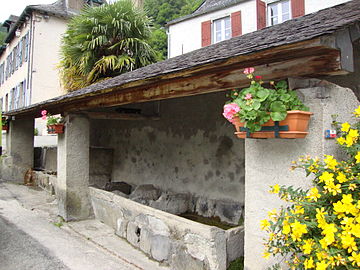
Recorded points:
(297, 8)
(206, 33)
(236, 27)
(261, 14)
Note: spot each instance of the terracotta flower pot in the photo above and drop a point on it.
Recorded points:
(55, 129)
(296, 123)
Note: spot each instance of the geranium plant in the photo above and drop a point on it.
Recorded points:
(320, 227)
(257, 104)
(50, 119)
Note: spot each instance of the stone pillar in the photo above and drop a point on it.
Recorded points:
(267, 162)
(73, 169)
(19, 149)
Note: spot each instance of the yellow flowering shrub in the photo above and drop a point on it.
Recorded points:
(320, 227)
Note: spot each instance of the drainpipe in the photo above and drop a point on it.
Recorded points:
(168, 42)
(31, 56)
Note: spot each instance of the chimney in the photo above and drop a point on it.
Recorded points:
(74, 4)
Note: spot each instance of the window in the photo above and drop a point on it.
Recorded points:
(221, 29)
(279, 12)
(6, 102)
(27, 44)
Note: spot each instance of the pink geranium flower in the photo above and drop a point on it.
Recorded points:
(43, 112)
(248, 96)
(249, 70)
(230, 110)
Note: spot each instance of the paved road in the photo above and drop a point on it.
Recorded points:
(19, 251)
(30, 240)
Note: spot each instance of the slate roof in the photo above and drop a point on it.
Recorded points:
(206, 7)
(323, 22)
(56, 9)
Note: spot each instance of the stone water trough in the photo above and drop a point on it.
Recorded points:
(172, 240)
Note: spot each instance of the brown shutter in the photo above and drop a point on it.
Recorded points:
(261, 14)
(236, 28)
(297, 8)
(206, 33)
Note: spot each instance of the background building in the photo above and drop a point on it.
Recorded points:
(218, 20)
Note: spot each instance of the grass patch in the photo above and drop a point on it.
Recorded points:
(238, 264)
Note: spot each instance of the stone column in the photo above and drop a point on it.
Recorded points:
(73, 169)
(19, 148)
(267, 162)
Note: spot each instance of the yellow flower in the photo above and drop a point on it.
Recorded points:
(275, 189)
(330, 162)
(264, 224)
(348, 242)
(298, 210)
(355, 258)
(321, 265)
(298, 230)
(352, 186)
(357, 112)
(272, 214)
(326, 176)
(314, 194)
(345, 127)
(357, 157)
(309, 263)
(341, 177)
(266, 255)
(341, 140)
(307, 247)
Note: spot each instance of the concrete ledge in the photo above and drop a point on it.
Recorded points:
(176, 241)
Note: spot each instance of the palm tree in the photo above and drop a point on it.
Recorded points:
(103, 42)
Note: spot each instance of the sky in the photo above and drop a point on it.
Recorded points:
(16, 7)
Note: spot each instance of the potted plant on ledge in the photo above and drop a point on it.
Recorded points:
(5, 124)
(260, 112)
(54, 124)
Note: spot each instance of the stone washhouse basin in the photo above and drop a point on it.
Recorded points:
(167, 238)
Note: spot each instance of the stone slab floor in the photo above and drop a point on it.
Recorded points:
(46, 241)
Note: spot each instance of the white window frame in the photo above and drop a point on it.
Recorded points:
(222, 29)
(280, 12)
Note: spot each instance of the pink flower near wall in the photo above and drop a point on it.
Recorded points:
(249, 70)
(230, 110)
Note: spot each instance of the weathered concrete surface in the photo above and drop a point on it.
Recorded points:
(73, 169)
(101, 163)
(165, 237)
(21, 251)
(268, 162)
(20, 150)
(191, 149)
(87, 244)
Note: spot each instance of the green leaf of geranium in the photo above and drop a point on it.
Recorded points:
(278, 116)
(256, 104)
(282, 85)
(285, 97)
(262, 94)
(277, 106)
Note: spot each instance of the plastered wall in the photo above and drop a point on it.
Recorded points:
(191, 148)
(268, 163)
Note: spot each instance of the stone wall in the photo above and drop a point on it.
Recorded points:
(191, 148)
(169, 239)
(268, 162)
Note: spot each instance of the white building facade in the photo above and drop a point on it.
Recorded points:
(217, 20)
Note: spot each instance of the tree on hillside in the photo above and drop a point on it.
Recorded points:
(3, 34)
(163, 11)
(103, 42)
